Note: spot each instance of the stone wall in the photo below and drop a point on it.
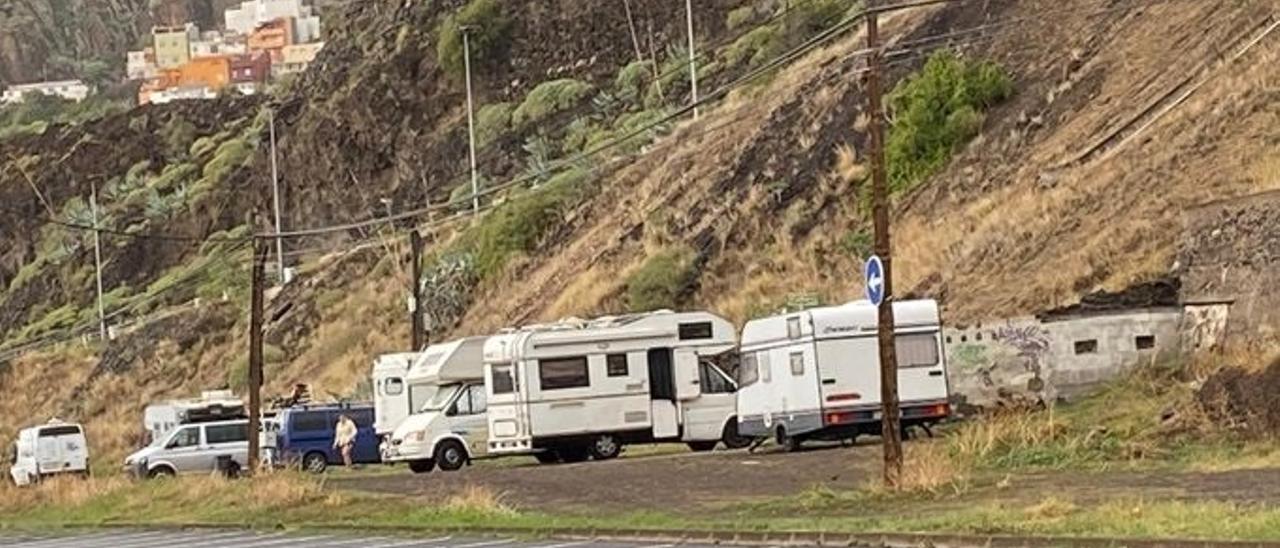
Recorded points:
(1028, 361)
(1230, 256)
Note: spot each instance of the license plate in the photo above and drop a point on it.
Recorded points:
(877, 415)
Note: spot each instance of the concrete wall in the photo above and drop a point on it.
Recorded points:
(1028, 360)
(1230, 257)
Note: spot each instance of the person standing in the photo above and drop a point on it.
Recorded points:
(344, 438)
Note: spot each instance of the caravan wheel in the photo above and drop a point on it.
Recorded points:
(422, 466)
(605, 448)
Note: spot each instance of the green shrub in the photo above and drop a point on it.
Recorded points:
(492, 121)
(938, 110)
(178, 136)
(519, 225)
(857, 243)
(231, 155)
(633, 80)
(741, 17)
(205, 145)
(755, 47)
(488, 38)
(548, 99)
(579, 133)
(59, 318)
(172, 176)
(662, 280)
(541, 151)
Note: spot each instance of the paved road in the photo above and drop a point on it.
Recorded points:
(245, 539)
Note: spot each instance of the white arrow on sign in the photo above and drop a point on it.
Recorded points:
(875, 282)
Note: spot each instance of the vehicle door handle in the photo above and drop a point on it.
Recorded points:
(828, 381)
(935, 373)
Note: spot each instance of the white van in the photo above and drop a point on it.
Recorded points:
(55, 448)
(445, 394)
(200, 448)
(816, 374)
(576, 389)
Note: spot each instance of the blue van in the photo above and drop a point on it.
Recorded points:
(306, 435)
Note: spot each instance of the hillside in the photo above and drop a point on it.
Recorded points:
(1075, 163)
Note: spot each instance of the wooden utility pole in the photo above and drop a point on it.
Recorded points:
(891, 430)
(415, 259)
(260, 252)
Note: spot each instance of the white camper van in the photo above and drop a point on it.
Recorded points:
(51, 449)
(577, 389)
(212, 405)
(390, 392)
(816, 374)
(445, 393)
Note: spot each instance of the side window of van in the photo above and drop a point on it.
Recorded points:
(712, 381)
(749, 373)
(766, 370)
(311, 421)
(362, 417)
(472, 401)
(187, 437)
(227, 433)
(797, 364)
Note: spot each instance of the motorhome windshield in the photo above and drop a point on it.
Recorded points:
(441, 397)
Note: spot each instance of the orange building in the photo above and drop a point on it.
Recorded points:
(272, 37)
(212, 72)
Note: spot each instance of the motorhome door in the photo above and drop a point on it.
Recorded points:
(662, 393)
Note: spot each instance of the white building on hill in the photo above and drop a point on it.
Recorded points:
(73, 90)
(252, 13)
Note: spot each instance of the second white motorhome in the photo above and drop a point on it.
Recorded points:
(580, 389)
(212, 405)
(391, 391)
(445, 400)
(816, 374)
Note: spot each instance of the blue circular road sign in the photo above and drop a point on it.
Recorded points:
(874, 277)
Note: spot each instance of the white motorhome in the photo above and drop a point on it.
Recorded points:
(576, 389)
(55, 448)
(213, 405)
(816, 374)
(445, 399)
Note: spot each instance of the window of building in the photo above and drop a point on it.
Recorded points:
(1144, 342)
(948, 339)
(919, 350)
(616, 364)
(978, 337)
(227, 433)
(797, 363)
(1087, 347)
(311, 421)
(695, 331)
(558, 374)
(793, 328)
(503, 380)
(187, 437)
(964, 338)
(393, 387)
(749, 372)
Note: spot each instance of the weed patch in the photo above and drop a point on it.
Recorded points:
(549, 99)
(488, 27)
(662, 280)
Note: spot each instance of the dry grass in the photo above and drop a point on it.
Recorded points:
(58, 491)
(927, 468)
(1052, 508)
(478, 499)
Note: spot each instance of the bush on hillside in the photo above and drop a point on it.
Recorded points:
(488, 36)
(755, 47)
(633, 80)
(548, 99)
(936, 111)
(492, 121)
(520, 224)
(662, 280)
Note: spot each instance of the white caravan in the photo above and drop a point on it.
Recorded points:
(213, 405)
(445, 395)
(55, 448)
(816, 374)
(574, 390)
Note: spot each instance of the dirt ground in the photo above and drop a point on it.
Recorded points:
(663, 482)
(709, 482)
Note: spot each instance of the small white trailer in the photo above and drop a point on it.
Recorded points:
(580, 389)
(213, 405)
(444, 398)
(390, 391)
(815, 374)
(51, 449)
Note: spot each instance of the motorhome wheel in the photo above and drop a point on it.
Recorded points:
(605, 448)
(732, 439)
(450, 455)
(315, 462)
(702, 446)
(422, 466)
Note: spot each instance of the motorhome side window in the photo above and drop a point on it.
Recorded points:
(562, 373)
(712, 381)
(472, 401)
(797, 363)
(56, 431)
(749, 372)
(793, 328)
(227, 433)
(617, 365)
(503, 382)
(695, 331)
(766, 372)
(394, 387)
(920, 350)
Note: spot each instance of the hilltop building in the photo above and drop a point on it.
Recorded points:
(252, 14)
(71, 90)
(173, 44)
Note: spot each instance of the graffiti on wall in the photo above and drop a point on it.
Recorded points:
(1009, 368)
(1031, 342)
